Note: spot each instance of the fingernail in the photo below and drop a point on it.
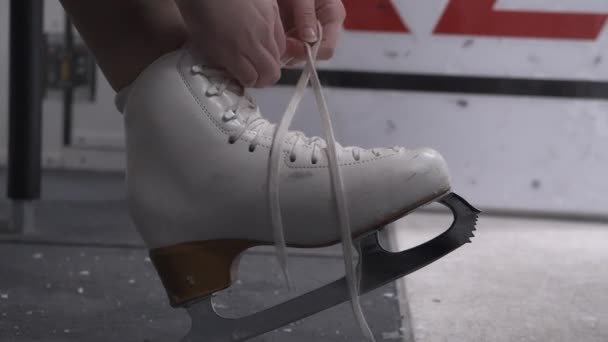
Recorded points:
(309, 35)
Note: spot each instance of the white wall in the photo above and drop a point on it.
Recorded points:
(518, 153)
(505, 152)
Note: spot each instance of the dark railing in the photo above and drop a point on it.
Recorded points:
(25, 101)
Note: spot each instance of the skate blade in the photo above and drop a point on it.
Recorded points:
(377, 267)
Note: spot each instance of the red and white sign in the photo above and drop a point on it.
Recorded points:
(564, 39)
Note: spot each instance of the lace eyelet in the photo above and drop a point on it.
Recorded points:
(212, 91)
(228, 116)
(314, 162)
(231, 140)
(292, 159)
(251, 148)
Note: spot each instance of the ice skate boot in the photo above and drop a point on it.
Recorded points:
(199, 156)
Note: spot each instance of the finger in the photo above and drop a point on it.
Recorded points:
(295, 62)
(268, 68)
(279, 35)
(295, 49)
(271, 45)
(331, 12)
(266, 39)
(305, 18)
(330, 41)
(243, 71)
(331, 16)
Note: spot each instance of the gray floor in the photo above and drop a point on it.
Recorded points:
(520, 280)
(85, 276)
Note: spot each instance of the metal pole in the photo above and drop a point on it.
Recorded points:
(25, 107)
(68, 82)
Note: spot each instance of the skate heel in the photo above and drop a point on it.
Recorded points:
(196, 270)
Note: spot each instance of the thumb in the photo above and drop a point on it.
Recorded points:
(305, 19)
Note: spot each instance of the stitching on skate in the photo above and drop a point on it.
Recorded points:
(205, 109)
(289, 164)
(226, 132)
(341, 164)
(191, 91)
(285, 151)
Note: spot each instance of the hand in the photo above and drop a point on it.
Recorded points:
(245, 37)
(301, 16)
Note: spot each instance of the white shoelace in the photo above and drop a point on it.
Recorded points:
(246, 111)
(336, 178)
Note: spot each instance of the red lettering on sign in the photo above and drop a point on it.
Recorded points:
(478, 17)
(373, 15)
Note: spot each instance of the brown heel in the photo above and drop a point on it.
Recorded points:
(194, 270)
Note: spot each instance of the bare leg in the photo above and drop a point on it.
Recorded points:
(127, 35)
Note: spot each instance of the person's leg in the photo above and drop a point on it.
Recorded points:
(127, 35)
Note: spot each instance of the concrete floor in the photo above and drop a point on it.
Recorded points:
(85, 276)
(520, 280)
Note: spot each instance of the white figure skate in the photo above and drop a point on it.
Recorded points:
(204, 175)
